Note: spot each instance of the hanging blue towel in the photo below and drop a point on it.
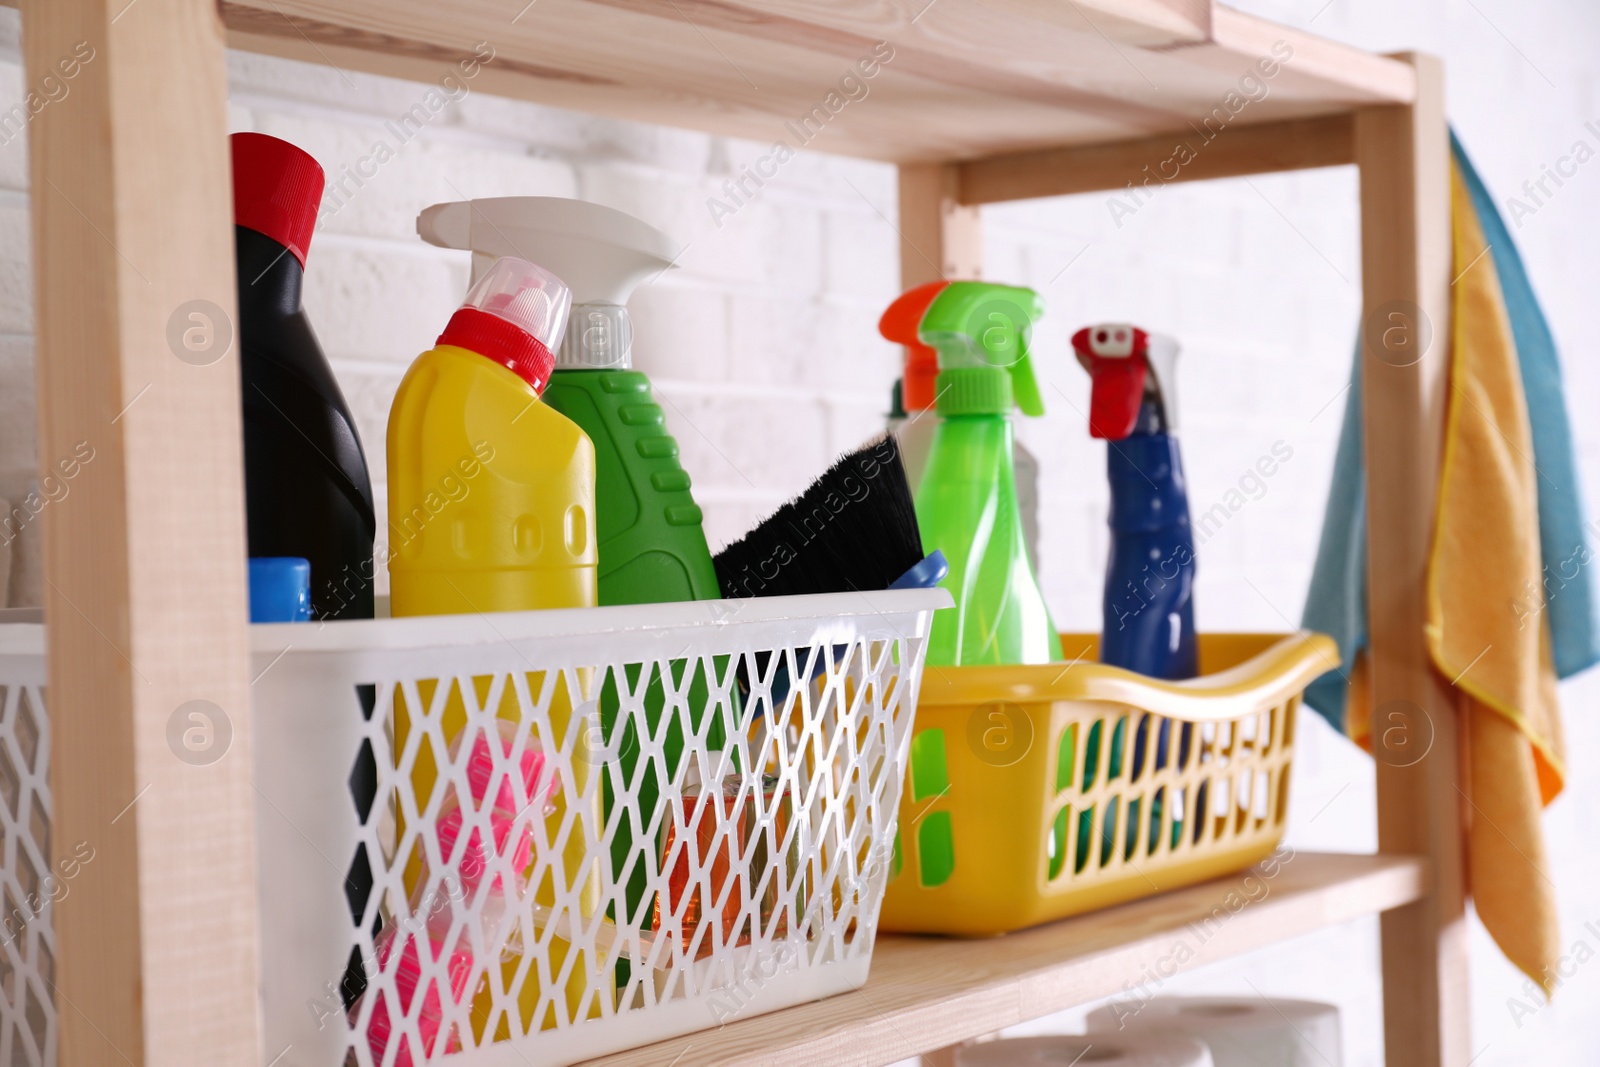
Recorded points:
(1337, 601)
(1336, 604)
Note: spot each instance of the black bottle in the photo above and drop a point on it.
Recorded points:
(307, 491)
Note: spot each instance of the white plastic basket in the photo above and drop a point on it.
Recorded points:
(503, 865)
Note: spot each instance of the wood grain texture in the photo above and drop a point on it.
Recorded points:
(144, 557)
(1321, 69)
(968, 78)
(1403, 152)
(1188, 155)
(1147, 23)
(955, 45)
(928, 993)
(706, 80)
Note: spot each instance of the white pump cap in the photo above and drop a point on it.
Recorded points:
(600, 252)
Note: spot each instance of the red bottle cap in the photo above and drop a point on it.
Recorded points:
(498, 340)
(514, 315)
(277, 189)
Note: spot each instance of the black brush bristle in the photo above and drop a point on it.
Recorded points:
(855, 528)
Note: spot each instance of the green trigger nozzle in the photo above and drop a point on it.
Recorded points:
(981, 331)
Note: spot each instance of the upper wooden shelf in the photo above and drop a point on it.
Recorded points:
(928, 993)
(967, 79)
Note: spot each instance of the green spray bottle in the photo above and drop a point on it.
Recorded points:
(967, 501)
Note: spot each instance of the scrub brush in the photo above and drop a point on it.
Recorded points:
(854, 529)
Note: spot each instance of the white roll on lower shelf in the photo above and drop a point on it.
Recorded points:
(1240, 1031)
(1101, 1050)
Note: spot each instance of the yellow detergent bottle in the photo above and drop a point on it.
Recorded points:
(491, 491)
(491, 508)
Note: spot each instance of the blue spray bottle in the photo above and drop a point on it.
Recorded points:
(1149, 598)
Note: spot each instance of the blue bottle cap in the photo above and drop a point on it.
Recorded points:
(280, 589)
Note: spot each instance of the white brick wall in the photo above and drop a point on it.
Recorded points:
(764, 350)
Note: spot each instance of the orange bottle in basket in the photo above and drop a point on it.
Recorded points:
(724, 848)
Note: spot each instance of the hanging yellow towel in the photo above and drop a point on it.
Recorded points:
(1486, 555)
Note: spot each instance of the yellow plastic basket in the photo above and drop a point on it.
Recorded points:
(1034, 793)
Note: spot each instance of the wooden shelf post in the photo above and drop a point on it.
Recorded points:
(939, 236)
(144, 554)
(1404, 155)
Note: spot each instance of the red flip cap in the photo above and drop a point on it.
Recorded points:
(277, 189)
(505, 343)
(1115, 357)
(899, 324)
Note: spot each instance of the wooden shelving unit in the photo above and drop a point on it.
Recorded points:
(982, 100)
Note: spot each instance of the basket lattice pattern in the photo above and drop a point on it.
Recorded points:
(29, 885)
(550, 848)
(1162, 790)
(1130, 793)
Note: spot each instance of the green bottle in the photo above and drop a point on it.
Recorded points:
(652, 546)
(967, 500)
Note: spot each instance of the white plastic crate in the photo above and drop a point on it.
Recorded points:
(485, 910)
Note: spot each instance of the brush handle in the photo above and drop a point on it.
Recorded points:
(925, 575)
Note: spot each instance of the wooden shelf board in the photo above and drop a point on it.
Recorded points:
(1294, 144)
(928, 993)
(968, 78)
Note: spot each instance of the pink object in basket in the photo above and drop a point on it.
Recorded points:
(438, 915)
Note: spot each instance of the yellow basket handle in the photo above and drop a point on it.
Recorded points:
(1264, 681)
